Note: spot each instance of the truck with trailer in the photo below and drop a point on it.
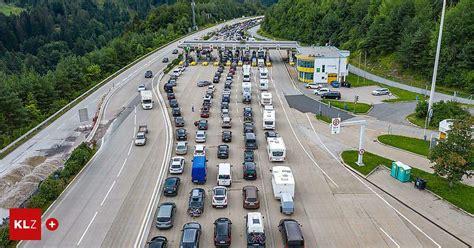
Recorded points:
(276, 149)
(282, 181)
(255, 231)
(199, 169)
(266, 98)
(140, 138)
(147, 99)
(268, 119)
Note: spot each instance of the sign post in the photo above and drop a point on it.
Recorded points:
(336, 125)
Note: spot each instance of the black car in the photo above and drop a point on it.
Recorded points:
(249, 156)
(222, 232)
(201, 124)
(170, 95)
(220, 69)
(248, 111)
(248, 127)
(179, 121)
(223, 151)
(148, 74)
(181, 134)
(165, 60)
(173, 103)
(331, 95)
(224, 105)
(191, 235)
(226, 136)
(175, 51)
(227, 85)
(158, 242)
(250, 170)
(215, 79)
(171, 186)
(196, 202)
(176, 112)
(271, 134)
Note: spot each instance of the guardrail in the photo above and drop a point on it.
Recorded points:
(10, 147)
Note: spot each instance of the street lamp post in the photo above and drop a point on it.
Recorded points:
(435, 69)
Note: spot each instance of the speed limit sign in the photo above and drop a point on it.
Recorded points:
(335, 125)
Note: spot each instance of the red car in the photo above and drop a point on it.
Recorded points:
(204, 112)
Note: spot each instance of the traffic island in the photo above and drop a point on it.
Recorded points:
(413, 145)
(360, 108)
(460, 195)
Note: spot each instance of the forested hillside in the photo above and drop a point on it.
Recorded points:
(404, 31)
(55, 50)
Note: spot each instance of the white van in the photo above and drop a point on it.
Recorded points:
(224, 175)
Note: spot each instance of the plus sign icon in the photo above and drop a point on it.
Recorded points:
(52, 224)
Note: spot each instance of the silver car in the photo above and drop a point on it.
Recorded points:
(219, 197)
(381, 91)
(177, 165)
(181, 148)
(200, 136)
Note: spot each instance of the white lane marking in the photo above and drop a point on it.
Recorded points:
(398, 246)
(106, 195)
(156, 196)
(373, 191)
(88, 226)
(130, 149)
(135, 118)
(299, 142)
(121, 168)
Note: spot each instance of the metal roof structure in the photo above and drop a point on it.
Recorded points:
(207, 44)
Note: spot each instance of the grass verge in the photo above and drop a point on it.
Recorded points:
(460, 195)
(324, 118)
(360, 108)
(418, 146)
(420, 122)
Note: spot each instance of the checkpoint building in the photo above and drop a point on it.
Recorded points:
(322, 64)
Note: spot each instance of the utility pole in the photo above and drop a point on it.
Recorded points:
(435, 69)
(193, 4)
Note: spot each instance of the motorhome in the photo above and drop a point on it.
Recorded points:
(268, 119)
(246, 73)
(147, 99)
(255, 230)
(266, 98)
(276, 149)
(263, 73)
(263, 85)
(282, 181)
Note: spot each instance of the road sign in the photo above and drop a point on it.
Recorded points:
(335, 125)
(83, 115)
(361, 151)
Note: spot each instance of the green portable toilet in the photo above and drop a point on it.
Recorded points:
(394, 171)
(404, 172)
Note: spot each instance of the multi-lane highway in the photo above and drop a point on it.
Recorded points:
(113, 201)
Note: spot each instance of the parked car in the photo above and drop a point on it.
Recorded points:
(177, 165)
(320, 91)
(250, 170)
(312, 86)
(141, 87)
(219, 197)
(201, 136)
(173, 103)
(201, 124)
(191, 234)
(176, 112)
(203, 83)
(148, 74)
(250, 197)
(222, 232)
(335, 84)
(196, 202)
(158, 242)
(165, 60)
(171, 186)
(381, 91)
(331, 95)
(165, 215)
(223, 151)
(179, 121)
(181, 148)
(226, 136)
(248, 155)
(181, 134)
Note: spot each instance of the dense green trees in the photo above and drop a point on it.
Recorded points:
(406, 30)
(441, 111)
(53, 52)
